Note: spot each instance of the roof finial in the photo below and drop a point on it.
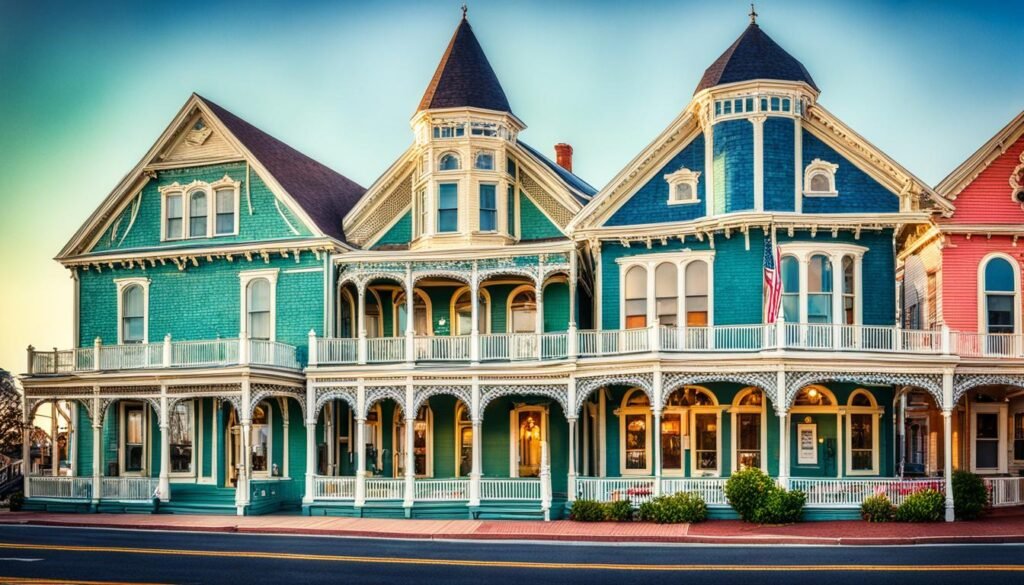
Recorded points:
(753, 14)
(465, 9)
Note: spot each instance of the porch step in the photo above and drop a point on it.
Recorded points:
(59, 506)
(189, 498)
(456, 510)
(509, 511)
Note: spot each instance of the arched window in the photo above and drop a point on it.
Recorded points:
(484, 160)
(697, 294)
(421, 324)
(258, 309)
(449, 161)
(422, 442)
(1000, 296)
(133, 314)
(462, 312)
(813, 396)
(819, 289)
(820, 179)
(464, 437)
(197, 215)
(666, 282)
(849, 292)
(523, 310)
(748, 414)
(862, 431)
(635, 417)
(636, 297)
(790, 288)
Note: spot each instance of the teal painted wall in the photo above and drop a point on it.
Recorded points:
(206, 429)
(533, 224)
(265, 222)
(83, 438)
(443, 411)
(556, 307)
(400, 233)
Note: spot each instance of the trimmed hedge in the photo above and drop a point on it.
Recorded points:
(594, 511)
(923, 506)
(877, 508)
(757, 498)
(970, 495)
(675, 509)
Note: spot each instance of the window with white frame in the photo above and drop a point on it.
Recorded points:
(820, 179)
(422, 442)
(529, 435)
(635, 421)
(448, 207)
(134, 423)
(790, 288)
(462, 312)
(636, 297)
(488, 207)
(814, 291)
(133, 310)
(697, 306)
(450, 130)
(211, 209)
(449, 161)
(259, 439)
(749, 429)
(819, 289)
(484, 160)
(258, 303)
(862, 417)
(464, 440)
(421, 212)
(522, 310)
(182, 433)
(666, 283)
(999, 295)
(682, 186)
(674, 288)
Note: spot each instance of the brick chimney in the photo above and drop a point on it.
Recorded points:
(563, 156)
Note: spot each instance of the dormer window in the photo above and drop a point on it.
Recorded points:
(820, 179)
(449, 131)
(484, 160)
(449, 161)
(682, 186)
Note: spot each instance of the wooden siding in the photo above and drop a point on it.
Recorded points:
(988, 198)
(960, 260)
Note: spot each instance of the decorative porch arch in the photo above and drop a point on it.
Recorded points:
(557, 392)
(932, 383)
(375, 394)
(672, 381)
(423, 393)
(585, 386)
(324, 395)
(261, 392)
(963, 383)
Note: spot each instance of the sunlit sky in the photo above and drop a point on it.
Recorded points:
(86, 87)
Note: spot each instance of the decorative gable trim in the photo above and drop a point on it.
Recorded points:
(379, 189)
(391, 201)
(968, 171)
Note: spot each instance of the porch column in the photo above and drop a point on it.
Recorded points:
(784, 448)
(26, 453)
(947, 441)
(840, 446)
(165, 448)
(329, 437)
(837, 303)
(656, 402)
(361, 343)
(307, 497)
(595, 247)
(97, 432)
(410, 471)
(215, 423)
(360, 460)
(572, 287)
(244, 468)
(572, 459)
(475, 468)
(410, 317)
(474, 333)
(285, 416)
(540, 316)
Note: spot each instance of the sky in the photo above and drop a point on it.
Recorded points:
(87, 87)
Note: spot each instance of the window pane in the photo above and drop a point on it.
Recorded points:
(706, 441)
(819, 274)
(259, 295)
(1000, 313)
(511, 210)
(225, 212)
(488, 208)
(819, 183)
(448, 207)
(132, 304)
(790, 275)
(999, 276)
(636, 441)
(449, 162)
(197, 215)
(671, 441)
(697, 279)
(819, 308)
(181, 438)
(636, 283)
(174, 216)
(134, 330)
(259, 325)
(485, 161)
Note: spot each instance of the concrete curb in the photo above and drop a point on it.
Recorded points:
(540, 537)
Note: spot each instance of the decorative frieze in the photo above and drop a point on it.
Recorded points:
(929, 382)
(766, 381)
(558, 393)
(585, 385)
(963, 383)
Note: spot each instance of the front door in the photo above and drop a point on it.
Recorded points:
(530, 439)
(916, 462)
(813, 445)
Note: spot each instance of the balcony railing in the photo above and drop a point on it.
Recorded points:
(128, 488)
(169, 354)
(849, 493)
(988, 345)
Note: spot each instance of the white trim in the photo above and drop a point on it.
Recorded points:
(650, 262)
(847, 414)
(121, 436)
(804, 251)
(508, 306)
(122, 285)
(514, 433)
(245, 277)
(717, 411)
(820, 167)
(194, 471)
(398, 437)
(622, 412)
(186, 192)
(1000, 410)
(735, 410)
(486, 310)
(982, 292)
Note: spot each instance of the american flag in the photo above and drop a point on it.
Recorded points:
(772, 278)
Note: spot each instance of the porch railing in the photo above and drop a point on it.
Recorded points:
(712, 490)
(385, 349)
(337, 350)
(217, 352)
(508, 346)
(272, 353)
(327, 487)
(128, 488)
(441, 490)
(443, 348)
(988, 345)
(614, 489)
(1005, 491)
(385, 488)
(510, 488)
(64, 488)
(849, 493)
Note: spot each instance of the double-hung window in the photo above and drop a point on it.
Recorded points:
(488, 208)
(819, 289)
(225, 212)
(197, 215)
(133, 314)
(448, 207)
(258, 301)
(174, 228)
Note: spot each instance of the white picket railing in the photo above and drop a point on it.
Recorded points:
(272, 353)
(385, 349)
(206, 353)
(385, 488)
(64, 488)
(441, 490)
(849, 493)
(612, 489)
(131, 356)
(510, 488)
(442, 348)
(711, 490)
(337, 350)
(553, 346)
(988, 345)
(128, 488)
(508, 346)
(1005, 491)
(614, 341)
(327, 487)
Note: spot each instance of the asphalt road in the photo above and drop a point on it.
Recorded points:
(75, 555)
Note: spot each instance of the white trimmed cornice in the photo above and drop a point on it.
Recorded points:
(245, 251)
(962, 176)
(455, 253)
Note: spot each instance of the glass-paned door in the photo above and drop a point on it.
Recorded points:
(134, 438)
(636, 441)
(748, 453)
(672, 441)
(986, 437)
(531, 437)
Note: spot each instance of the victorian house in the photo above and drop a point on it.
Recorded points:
(481, 333)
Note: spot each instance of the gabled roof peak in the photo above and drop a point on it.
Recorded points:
(464, 77)
(754, 55)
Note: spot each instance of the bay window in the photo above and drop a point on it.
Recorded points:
(448, 207)
(666, 299)
(488, 208)
(821, 284)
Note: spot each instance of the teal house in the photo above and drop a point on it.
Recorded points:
(480, 333)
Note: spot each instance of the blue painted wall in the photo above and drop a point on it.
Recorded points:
(734, 166)
(650, 203)
(779, 175)
(858, 192)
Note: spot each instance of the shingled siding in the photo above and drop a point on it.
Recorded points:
(204, 302)
(737, 271)
(858, 192)
(734, 166)
(400, 233)
(878, 271)
(779, 174)
(83, 441)
(650, 202)
(264, 223)
(533, 224)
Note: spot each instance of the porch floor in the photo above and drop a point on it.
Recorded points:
(1002, 526)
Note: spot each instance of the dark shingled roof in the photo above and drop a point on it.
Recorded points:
(568, 178)
(464, 78)
(754, 56)
(325, 195)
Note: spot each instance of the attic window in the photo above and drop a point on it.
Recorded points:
(682, 186)
(820, 179)
(484, 129)
(449, 131)
(449, 161)
(199, 209)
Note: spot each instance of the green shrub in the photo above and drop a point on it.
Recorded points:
(618, 511)
(877, 508)
(747, 490)
(780, 507)
(586, 511)
(16, 501)
(923, 506)
(675, 509)
(970, 495)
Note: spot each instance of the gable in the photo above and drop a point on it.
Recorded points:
(649, 204)
(261, 215)
(533, 223)
(858, 191)
(382, 214)
(199, 142)
(989, 197)
(399, 234)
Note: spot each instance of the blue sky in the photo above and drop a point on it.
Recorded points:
(85, 88)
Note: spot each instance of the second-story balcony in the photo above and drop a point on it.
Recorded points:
(169, 354)
(573, 344)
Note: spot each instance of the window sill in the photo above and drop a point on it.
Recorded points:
(686, 202)
(821, 194)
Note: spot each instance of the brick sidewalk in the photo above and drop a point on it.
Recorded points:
(997, 529)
